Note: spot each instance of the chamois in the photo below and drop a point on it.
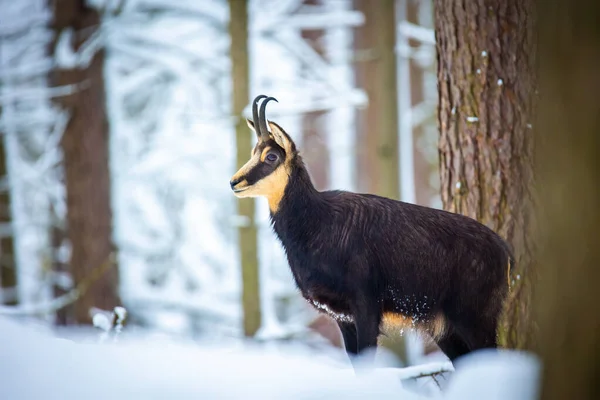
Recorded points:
(371, 262)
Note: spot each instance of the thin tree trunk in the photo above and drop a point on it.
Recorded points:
(314, 141)
(417, 95)
(377, 125)
(85, 150)
(364, 73)
(486, 83)
(238, 29)
(568, 171)
(8, 272)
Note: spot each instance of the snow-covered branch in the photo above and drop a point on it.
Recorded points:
(424, 370)
(417, 32)
(53, 305)
(66, 58)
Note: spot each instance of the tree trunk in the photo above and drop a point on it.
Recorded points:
(568, 174)
(314, 140)
(486, 78)
(238, 29)
(417, 95)
(85, 151)
(377, 125)
(8, 271)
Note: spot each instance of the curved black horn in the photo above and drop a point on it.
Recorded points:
(262, 121)
(255, 112)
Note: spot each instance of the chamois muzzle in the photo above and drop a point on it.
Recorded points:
(233, 183)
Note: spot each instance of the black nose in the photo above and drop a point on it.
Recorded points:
(234, 182)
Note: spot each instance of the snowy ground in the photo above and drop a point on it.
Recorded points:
(38, 365)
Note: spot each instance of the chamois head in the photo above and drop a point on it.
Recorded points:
(267, 172)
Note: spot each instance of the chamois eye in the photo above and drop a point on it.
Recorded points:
(271, 157)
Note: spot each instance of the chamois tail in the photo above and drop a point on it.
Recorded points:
(510, 268)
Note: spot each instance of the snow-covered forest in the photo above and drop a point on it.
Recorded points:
(129, 269)
(172, 148)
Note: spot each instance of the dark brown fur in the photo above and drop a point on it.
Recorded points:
(363, 255)
(360, 257)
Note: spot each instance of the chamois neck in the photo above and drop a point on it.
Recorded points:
(300, 194)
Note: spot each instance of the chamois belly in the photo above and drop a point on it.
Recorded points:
(411, 311)
(330, 299)
(332, 309)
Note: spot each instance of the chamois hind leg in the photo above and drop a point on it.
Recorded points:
(480, 333)
(475, 316)
(478, 327)
(452, 345)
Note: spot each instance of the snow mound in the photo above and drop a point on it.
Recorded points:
(35, 365)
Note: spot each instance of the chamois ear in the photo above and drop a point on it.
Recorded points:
(281, 138)
(250, 124)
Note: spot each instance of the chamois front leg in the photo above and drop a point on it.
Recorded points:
(367, 318)
(350, 339)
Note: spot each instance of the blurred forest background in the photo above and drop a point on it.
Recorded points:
(120, 131)
(122, 122)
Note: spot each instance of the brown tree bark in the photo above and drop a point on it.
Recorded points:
(486, 82)
(567, 133)
(87, 180)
